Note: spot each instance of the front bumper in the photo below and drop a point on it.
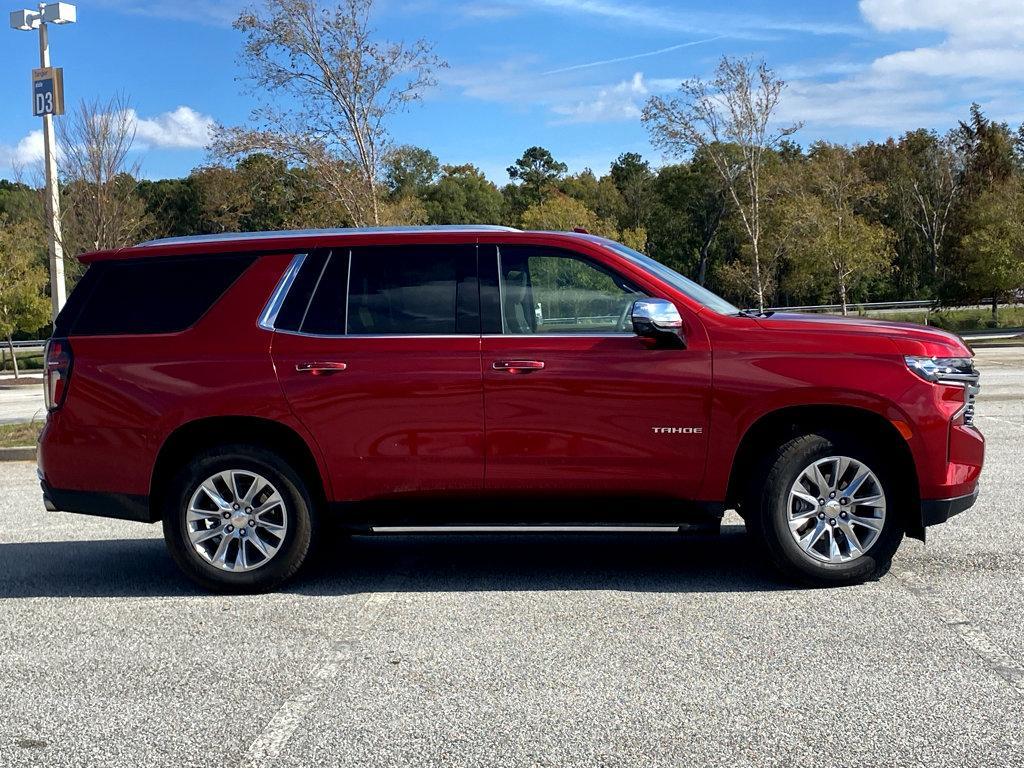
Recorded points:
(936, 511)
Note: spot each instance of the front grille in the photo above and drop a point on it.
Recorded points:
(970, 396)
(972, 386)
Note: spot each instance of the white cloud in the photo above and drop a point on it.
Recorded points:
(622, 101)
(28, 151)
(983, 38)
(518, 84)
(979, 58)
(980, 20)
(181, 128)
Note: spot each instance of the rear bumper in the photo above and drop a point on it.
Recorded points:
(936, 511)
(127, 507)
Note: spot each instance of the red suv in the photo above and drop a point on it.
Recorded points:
(246, 389)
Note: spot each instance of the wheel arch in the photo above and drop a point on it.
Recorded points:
(197, 435)
(776, 427)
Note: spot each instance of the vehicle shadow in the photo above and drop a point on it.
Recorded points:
(412, 563)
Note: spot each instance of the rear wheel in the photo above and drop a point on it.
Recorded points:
(238, 519)
(827, 510)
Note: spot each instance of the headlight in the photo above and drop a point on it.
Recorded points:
(942, 369)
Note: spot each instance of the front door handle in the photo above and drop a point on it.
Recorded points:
(517, 366)
(320, 368)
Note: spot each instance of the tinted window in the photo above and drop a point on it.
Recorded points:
(680, 282)
(547, 291)
(413, 290)
(293, 308)
(149, 296)
(326, 313)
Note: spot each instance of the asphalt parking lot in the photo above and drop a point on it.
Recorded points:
(533, 649)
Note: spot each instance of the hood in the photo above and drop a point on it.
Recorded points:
(910, 338)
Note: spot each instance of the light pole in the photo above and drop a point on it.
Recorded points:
(48, 100)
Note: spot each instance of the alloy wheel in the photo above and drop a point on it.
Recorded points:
(237, 520)
(836, 509)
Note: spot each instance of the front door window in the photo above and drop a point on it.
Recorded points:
(545, 291)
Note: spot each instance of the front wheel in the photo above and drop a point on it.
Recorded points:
(827, 510)
(238, 519)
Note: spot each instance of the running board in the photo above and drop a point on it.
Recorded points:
(552, 529)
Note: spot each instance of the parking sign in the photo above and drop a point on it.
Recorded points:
(48, 91)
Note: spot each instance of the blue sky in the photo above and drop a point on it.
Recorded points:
(571, 75)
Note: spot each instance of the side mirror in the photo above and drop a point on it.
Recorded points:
(658, 319)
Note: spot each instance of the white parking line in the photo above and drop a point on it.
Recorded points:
(270, 742)
(977, 640)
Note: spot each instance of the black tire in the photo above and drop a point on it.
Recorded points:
(296, 543)
(767, 517)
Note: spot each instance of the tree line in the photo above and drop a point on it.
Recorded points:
(740, 207)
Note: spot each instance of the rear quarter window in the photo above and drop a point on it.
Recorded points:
(148, 296)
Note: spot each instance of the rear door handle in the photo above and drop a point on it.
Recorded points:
(320, 368)
(517, 366)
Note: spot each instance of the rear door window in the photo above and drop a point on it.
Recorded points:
(396, 290)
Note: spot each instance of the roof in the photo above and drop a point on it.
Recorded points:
(286, 240)
(274, 234)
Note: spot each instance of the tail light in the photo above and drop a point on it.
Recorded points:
(58, 372)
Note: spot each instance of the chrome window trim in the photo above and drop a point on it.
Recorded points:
(268, 317)
(377, 336)
(568, 335)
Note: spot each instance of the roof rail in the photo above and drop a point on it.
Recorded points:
(267, 235)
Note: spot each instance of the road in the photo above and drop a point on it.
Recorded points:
(536, 649)
(21, 403)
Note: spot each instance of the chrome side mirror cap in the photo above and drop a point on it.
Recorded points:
(658, 319)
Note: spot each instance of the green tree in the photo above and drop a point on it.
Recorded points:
(560, 213)
(987, 152)
(830, 243)
(409, 171)
(599, 195)
(463, 195)
(537, 173)
(634, 180)
(993, 248)
(19, 201)
(690, 225)
(24, 306)
(173, 207)
(223, 198)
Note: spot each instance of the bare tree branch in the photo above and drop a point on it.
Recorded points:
(341, 87)
(731, 112)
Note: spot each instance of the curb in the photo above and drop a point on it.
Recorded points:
(18, 454)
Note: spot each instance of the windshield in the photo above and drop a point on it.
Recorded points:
(693, 290)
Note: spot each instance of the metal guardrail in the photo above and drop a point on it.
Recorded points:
(993, 333)
(913, 304)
